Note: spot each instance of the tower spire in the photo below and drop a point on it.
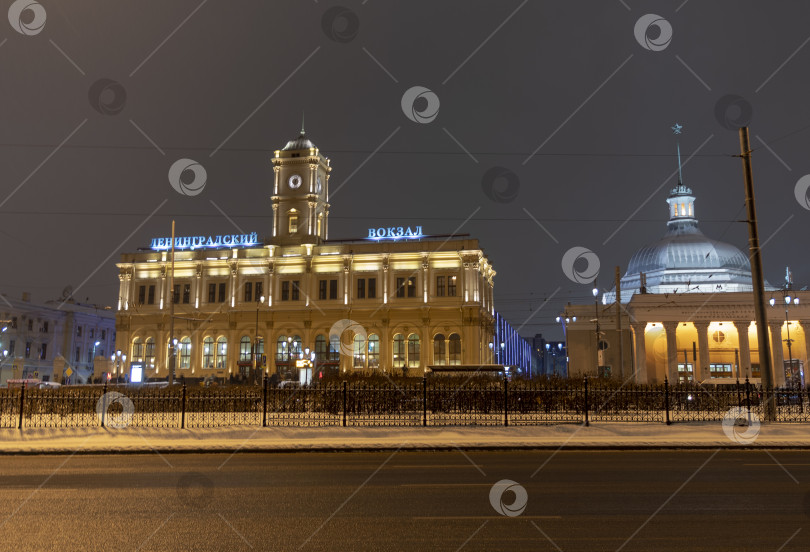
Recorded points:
(677, 130)
(302, 124)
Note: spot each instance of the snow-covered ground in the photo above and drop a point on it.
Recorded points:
(603, 435)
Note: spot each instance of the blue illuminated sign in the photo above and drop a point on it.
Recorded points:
(395, 233)
(210, 242)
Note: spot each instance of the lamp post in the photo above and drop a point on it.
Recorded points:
(595, 292)
(259, 301)
(118, 360)
(788, 300)
(93, 360)
(564, 319)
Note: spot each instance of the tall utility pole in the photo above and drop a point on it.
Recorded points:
(755, 256)
(619, 322)
(172, 346)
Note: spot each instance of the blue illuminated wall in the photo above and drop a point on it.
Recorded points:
(516, 351)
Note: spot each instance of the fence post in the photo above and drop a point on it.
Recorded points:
(344, 403)
(104, 404)
(22, 404)
(666, 400)
(183, 408)
(264, 401)
(587, 422)
(505, 401)
(748, 399)
(424, 401)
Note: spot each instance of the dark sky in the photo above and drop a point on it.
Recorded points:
(224, 83)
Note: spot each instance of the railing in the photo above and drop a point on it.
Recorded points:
(427, 403)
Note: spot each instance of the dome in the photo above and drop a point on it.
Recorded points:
(300, 143)
(686, 248)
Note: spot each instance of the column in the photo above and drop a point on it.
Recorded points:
(641, 352)
(670, 329)
(777, 354)
(703, 372)
(745, 349)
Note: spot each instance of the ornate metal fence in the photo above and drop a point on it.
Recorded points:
(427, 403)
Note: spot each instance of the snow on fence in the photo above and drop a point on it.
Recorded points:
(429, 403)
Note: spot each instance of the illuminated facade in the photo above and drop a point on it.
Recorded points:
(396, 301)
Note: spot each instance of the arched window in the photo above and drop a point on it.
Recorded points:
(439, 350)
(334, 348)
(244, 349)
(296, 350)
(399, 351)
(185, 352)
(282, 350)
(455, 350)
(150, 352)
(359, 351)
(260, 347)
(137, 350)
(413, 351)
(321, 349)
(222, 353)
(208, 352)
(373, 351)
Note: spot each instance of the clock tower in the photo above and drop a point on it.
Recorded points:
(300, 193)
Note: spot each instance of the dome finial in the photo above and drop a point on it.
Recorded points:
(677, 130)
(302, 124)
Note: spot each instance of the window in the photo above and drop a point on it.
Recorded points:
(296, 350)
(373, 351)
(260, 349)
(103, 332)
(212, 293)
(89, 356)
(451, 286)
(333, 289)
(141, 295)
(293, 228)
(45, 327)
(149, 353)
(439, 286)
(372, 288)
(244, 348)
(222, 345)
(413, 351)
(439, 350)
(92, 333)
(285, 291)
(176, 294)
(719, 336)
(222, 292)
(31, 325)
(77, 358)
(282, 349)
(720, 370)
(334, 348)
(11, 344)
(675, 210)
(43, 351)
(186, 293)
(321, 349)
(295, 290)
(399, 351)
(185, 352)
(361, 288)
(685, 372)
(151, 296)
(359, 351)
(208, 352)
(259, 286)
(248, 292)
(137, 350)
(78, 331)
(14, 322)
(400, 287)
(322, 290)
(454, 350)
(412, 286)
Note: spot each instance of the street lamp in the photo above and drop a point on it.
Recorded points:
(118, 362)
(595, 292)
(93, 361)
(788, 300)
(564, 319)
(259, 301)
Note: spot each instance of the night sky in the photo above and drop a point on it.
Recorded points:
(225, 82)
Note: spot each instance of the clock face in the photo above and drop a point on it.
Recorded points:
(318, 185)
(295, 181)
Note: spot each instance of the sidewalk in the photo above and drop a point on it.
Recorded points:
(597, 436)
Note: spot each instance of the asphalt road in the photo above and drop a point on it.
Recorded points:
(623, 500)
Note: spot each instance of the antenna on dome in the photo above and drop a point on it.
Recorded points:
(677, 130)
(302, 124)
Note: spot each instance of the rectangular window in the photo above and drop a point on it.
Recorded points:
(78, 331)
(295, 290)
(322, 290)
(14, 322)
(361, 288)
(285, 291)
(400, 287)
(11, 344)
(293, 228)
(451, 286)
(141, 295)
(259, 287)
(333, 289)
(77, 358)
(412, 286)
(186, 293)
(439, 286)
(248, 292)
(176, 294)
(89, 356)
(103, 334)
(720, 370)
(45, 326)
(372, 288)
(212, 293)
(151, 297)
(222, 292)
(31, 325)
(28, 349)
